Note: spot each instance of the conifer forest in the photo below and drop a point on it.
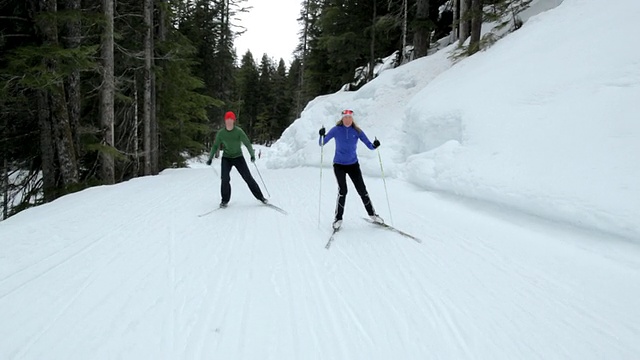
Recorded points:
(99, 92)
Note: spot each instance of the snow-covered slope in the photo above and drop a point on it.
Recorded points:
(131, 272)
(545, 121)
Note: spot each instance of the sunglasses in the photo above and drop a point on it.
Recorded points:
(347, 112)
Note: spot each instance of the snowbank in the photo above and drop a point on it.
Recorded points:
(546, 120)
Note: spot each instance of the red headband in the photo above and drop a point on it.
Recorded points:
(347, 113)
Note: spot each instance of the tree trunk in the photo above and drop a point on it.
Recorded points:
(47, 152)
(162, 20)
(146, 98)
(155, 148)
(107, 116)
(372, 58)
(62, 136)
(57, 101)
(421, 35)
(136, 126)
(476, 26)
(464, 21)
(162, 36)
(455, 25)
(72, 40)
(5, 178)
(303, 60)
(405, 7)
(5, 189)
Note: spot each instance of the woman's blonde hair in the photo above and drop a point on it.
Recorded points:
(354, 125)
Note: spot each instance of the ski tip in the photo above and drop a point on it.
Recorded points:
(276, 208)
(394, 229)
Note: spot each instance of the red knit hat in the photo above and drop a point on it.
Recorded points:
(230, 115)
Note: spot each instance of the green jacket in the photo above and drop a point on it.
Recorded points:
(231, 141)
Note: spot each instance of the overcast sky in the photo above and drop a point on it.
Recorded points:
(272, 28)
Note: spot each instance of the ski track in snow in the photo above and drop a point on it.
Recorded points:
(131, 271)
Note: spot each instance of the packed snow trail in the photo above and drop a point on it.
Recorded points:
(130, 271)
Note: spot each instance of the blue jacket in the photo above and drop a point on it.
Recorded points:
(346, 142)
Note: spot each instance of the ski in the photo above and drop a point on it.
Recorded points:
(391, 228)
(276, 208)
(333, 235)
(209, 212)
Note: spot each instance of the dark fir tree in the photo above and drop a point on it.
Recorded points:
(248, 97)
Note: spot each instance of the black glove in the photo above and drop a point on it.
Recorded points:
(376, 143)
(322, 131)
(209, 161)
(253, 159)
(217, 154)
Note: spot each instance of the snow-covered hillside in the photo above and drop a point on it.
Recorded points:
(545, 121)
(132, 272)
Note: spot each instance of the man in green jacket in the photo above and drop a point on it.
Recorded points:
(229, 140)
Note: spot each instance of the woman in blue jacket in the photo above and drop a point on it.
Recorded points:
(345, 162)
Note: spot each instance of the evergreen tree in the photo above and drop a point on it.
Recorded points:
(19, 135)
(266, 100)
(72, 39)
(342, 44)
(476, 26)
(248, 96)
(47, 46)
(474, 12)
(107, 93)
(424, 25)
(52, 103)
(182, 115)
(309, 15)
(295, 84)
(283, 103)
(505, 12)
(341, 36)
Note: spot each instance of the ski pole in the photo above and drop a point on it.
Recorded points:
(321, 161)
(261, 179)
(385, 185)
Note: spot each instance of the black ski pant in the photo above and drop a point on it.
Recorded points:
(353, 170)
(243, 169)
